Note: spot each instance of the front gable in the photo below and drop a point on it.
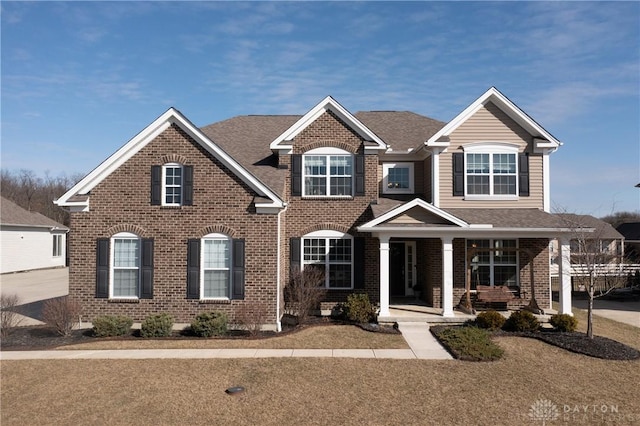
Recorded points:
(78, 197)
(283, 144)
(415, 212)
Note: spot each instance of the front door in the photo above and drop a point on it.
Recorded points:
(401, 268)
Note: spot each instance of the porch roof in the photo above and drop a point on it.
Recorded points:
(475, 221)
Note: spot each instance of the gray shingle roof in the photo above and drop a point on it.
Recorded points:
(603, 230)
(13, 214)
(403, 130)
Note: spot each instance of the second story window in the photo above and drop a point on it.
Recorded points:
(328, 175)
(491, 174)
(397, 178)
(172, 187)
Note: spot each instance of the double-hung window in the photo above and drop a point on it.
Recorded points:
(493, 266)
(491, 170)
(57, 245)
(331, 252)
(172, 184)
(328, 172)
(216, 267)
(125, 265)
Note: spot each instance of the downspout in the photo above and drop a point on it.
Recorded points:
(278, 272)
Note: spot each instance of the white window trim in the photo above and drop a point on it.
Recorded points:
(491, 148)
(215, 236)
(328, 235)
(164, 184)
(57, 245)
(491, 259)
(385, 177)
(328, 152)
(123, 236)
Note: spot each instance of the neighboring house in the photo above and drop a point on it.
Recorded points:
(631, 233)
(184, 219)
(594, 244)
(30, 240)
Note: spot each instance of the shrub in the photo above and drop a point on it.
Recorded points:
(491, 319)
(521, 321)
(110, 325)
(251, 315)
(468, 343)
(305, 291)
(358, 308)
(62, 314)
(209, 324)
(9, 318)
(158, 325)
(564, 322)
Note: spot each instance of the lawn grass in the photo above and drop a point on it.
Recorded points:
(314, 337)
(322, 391)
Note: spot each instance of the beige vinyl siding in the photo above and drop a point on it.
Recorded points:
(490, 124)
(418, 215)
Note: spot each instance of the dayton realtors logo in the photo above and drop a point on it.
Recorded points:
(544, 410)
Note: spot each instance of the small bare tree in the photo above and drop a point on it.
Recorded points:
(62, 314)
(595, 258)
(305, 291)
(9, 316)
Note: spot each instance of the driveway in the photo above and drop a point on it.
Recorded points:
(627, 312)
(33, 288)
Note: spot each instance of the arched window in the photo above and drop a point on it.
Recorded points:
(327, 172)
(125, 265)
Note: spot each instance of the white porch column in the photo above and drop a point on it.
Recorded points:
(384, 276)
(564, 273)
(447, 276)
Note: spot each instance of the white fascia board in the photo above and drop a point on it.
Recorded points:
(171, 116)
(479, 233)
(407, 206)
(508, 107)
(326, 104)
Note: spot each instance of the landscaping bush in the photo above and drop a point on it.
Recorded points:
(110, 325)
(521, 321)
(158, 325)
(564, 322)
(304, 292)
(358, 308)
(209, 324)
(9, 318)
(251, 315)
(468, 343)
(490, 319)
(62, 314)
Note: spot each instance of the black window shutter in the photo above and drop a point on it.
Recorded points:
(294, 254)
(193, 269)
(296, 175)
(237, 280)
(360, 174)
(187, 189)
(102, 268)
(146, 286)
(523, 174)
(458, 174)
(358, 263)
(156, 185)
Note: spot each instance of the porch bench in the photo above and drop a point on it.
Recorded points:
(497, 294)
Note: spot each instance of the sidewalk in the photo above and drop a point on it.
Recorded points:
(422, 343)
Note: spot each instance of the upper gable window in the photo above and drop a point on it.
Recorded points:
(327, 172)
(172, 184)
(492, 170)
(397, 178)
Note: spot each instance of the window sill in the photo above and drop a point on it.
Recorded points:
(328, 197)
(170, 207)
(491, 197)
(124, 300)
(215, 301)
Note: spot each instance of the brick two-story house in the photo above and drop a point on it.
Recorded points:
(184, 219)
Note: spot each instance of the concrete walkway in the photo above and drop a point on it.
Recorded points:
(422, 343)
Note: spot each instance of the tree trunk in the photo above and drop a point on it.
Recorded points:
(591, 293)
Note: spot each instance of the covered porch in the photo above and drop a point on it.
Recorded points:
(446, 260)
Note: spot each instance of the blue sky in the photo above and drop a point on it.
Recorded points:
(79, 79)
